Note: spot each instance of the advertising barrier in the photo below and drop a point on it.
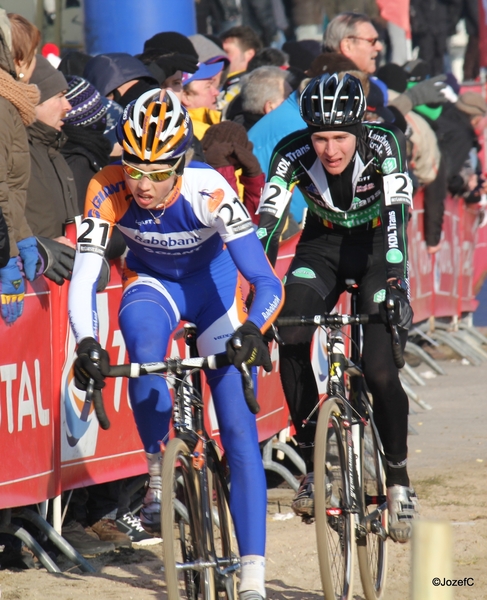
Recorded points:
(49, 437)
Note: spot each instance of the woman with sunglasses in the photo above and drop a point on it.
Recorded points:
(188, 236)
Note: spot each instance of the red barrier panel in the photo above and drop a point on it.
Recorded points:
(469, 218)
(447, 264)
(480, 260)
(29, 419)
(420, 264)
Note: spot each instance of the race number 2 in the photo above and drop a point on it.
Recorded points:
(93, 236)
(398, 189)
(274, 200)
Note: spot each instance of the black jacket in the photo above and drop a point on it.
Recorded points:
(51, 196)
(456, 137)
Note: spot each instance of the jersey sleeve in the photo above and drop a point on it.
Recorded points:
(397, 200)
(276, 198)
(248, 255)
(105, 203)
(220, 207)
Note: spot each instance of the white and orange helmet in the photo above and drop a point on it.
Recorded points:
(155, 129)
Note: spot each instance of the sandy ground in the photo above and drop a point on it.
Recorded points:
(448, 460)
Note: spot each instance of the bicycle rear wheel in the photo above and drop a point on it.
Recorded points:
(223, 541)
(372, 548)
(182, 527)
(334, 519)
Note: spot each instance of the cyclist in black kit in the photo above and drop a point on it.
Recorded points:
(354, 179)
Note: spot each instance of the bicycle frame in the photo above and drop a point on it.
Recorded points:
(188, 423)
(357, 415)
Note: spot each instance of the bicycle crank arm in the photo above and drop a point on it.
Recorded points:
(372, 521)
(197, 565)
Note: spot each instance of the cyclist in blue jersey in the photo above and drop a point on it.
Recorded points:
(354, 179)
(188, 237)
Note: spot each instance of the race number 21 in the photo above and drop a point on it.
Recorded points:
(93, 235)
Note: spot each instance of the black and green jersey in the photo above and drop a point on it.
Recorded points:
(379, 191)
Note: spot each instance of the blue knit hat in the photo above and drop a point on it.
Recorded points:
(87, 108)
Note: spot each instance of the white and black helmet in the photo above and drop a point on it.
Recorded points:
(327, 102)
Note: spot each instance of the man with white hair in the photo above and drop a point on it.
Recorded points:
(263, 90)
(353, 35)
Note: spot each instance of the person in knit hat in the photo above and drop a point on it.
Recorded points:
(51, 195)
(86, 150)
(18, 42)
(228, 150)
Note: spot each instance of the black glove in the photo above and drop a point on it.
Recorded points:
(247, 160)
(403, 313)
(253, 350)
(57, 259)
(84, 367)
(428, 91)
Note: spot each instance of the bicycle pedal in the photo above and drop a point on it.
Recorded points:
(377, 528)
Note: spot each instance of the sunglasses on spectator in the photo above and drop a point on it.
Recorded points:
(156, 176)
(372, 41)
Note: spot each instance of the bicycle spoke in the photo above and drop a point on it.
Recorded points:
(186, 571)
(372, 548)
(334, 520)
(224, 543)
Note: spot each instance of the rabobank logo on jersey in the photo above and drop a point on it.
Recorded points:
(169, 240)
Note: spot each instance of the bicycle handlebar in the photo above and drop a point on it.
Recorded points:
(338, 320)
(328, 320)
(175, 366)
(94, 395)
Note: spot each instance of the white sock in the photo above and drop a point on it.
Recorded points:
(252, 574)
(154, 464)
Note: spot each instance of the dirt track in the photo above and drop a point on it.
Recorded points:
(448, 460)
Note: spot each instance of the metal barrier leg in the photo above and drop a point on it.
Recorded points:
(271, 465)
(457, 346)
(474, 332)
(413, 396)
(425, 357)
(472, 342)
(31, 543)
(59, 541)
(411, 373)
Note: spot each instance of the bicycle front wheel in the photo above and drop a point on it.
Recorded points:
(223, 540)
(186, 574)
(372, 547)
(334, 519)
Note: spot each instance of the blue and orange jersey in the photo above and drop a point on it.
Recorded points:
(202, 218)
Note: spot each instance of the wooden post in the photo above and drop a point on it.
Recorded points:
(432, 565)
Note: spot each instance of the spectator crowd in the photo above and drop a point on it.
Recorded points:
(239, 78)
